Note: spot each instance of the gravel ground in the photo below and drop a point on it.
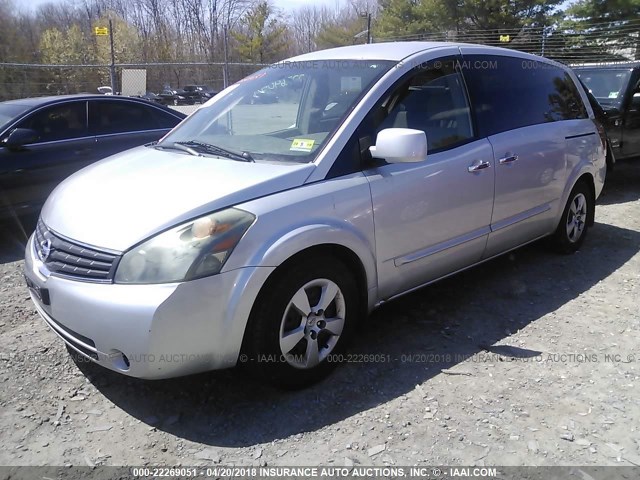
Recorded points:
(531, 359)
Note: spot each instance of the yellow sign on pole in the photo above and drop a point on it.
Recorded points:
(101, 31)
(503, 38)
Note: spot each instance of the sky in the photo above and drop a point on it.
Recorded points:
(283, 4)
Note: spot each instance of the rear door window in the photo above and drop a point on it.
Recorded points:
(109, 117)
(509, 93)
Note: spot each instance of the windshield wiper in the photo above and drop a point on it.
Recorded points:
(178, 146)
(215, 150)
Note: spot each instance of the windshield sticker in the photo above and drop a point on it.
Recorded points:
(613, 94)
(350, 84)
(301, 145)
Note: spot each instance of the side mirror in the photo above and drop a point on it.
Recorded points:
(635, 102)
(400, 145)
(19, 137)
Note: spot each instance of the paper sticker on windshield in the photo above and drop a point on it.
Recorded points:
(613, 94)
(350, 84)
(301, 145)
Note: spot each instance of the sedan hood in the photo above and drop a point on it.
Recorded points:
(120, 201)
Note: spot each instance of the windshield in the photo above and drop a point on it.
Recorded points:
(9, 111)
(607, 85)
(285, 112)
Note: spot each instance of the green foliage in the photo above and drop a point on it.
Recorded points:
(505, 14)
(410, 17)
(339, 33)
(605, 25)
(126, 41)
(604, 10)
(262, 35)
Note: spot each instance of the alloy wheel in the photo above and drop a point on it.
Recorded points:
(312, 323)
(576, 217)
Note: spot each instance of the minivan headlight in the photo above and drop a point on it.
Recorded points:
(193, 250)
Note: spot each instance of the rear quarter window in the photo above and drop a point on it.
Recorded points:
(164, 119)
(509, 93)
(108, 117)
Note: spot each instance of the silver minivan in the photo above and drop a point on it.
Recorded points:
(259, 232)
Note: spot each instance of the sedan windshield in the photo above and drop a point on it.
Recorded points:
(607, 85)
(285, 112)
(9, 111)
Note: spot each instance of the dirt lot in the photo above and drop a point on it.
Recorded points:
(531, 359)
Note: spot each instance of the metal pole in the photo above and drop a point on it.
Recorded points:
(112, 67)
(368, 28)
(544, 36)
(225, 68)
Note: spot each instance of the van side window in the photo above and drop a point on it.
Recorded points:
(509, 93)
(566, 103)
(433, 100)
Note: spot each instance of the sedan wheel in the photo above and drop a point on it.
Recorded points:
(301, 322)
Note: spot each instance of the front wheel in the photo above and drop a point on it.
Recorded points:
(574, 223)
(302, 322)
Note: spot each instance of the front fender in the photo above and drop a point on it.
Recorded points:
(279, 249)
(337, 212)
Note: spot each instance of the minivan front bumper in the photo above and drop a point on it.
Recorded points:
(149, 331)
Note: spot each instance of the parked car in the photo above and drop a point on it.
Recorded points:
(198, 93)
(151, 97)
(44, 140)
(601, 119)
(247, 235)
(174, 97)
(617, 88)
(264, 96)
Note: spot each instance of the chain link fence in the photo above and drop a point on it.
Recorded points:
(592, 43)
(33, 80)
(596, 43)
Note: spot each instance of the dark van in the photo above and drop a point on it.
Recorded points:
(617, 89)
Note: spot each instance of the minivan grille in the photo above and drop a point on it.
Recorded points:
(69, 259)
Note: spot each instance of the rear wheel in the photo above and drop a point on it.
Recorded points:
(573, 225)
(302, 322)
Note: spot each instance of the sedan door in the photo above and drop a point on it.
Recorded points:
(29, 174)
(432, 217)
(121, 124)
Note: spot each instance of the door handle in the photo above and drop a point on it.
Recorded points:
(508, 159)
(478, 165)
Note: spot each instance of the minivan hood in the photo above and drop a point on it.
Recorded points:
(122, 200)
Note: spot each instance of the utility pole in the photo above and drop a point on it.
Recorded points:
(225, 68)
(112, 67)
(365, 33)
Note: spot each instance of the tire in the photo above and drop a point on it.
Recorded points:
(175, 102)
(287, 347)
(574, 223)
